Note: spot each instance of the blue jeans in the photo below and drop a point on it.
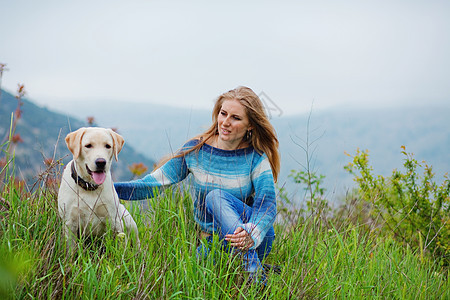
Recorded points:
(228, 213)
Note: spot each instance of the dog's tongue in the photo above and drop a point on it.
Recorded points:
(99, 177)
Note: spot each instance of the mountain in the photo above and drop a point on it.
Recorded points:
(156, 130)
(43, 132)
(424, 131)
(153, 130)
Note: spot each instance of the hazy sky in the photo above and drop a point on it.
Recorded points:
(335, 53)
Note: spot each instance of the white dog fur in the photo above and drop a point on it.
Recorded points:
(87, 200)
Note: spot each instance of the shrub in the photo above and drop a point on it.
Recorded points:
(414, 208)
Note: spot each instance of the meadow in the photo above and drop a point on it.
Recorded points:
(321, 256)
(389, 238)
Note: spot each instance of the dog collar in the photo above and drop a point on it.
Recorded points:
(81, 182)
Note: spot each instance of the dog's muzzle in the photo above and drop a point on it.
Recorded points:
(99, 175)
(80, 181)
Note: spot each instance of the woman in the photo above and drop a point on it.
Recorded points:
(234, 166)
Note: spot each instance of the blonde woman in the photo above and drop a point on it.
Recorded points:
(234, 164)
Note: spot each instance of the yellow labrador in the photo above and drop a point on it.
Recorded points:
(87, 200)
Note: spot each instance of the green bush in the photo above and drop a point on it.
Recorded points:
(413, 207)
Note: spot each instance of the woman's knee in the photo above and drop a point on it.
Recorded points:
(213, 196)
(213, 199)
(221, 202)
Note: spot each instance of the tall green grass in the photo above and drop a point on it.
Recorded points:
(319, 259)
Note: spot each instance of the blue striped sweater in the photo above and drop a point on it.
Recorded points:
(244, 173)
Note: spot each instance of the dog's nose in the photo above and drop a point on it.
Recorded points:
(100, 163)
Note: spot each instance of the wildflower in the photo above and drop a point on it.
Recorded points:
(20, 91)
(48, 162)
(91, 121)
(52, 182)
(2, 68)
(18, 112)
(16, 139)
(2, 163)
(138, 169)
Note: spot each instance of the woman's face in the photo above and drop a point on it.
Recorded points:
(233, 124)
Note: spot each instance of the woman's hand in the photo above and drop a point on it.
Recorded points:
(240, 239)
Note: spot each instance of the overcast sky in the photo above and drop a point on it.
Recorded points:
(335, 53)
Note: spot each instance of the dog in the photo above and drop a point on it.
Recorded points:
(87, 200)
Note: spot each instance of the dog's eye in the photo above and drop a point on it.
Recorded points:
(88, 146)
(108, 146)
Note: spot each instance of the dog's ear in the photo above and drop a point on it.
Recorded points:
(73, 141)
(118, 143)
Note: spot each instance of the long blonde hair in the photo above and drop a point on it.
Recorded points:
(263, 136)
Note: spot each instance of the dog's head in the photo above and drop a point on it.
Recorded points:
(93, 149)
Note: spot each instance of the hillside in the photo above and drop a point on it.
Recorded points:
(156, 130)
(424, 131)
(43, 132)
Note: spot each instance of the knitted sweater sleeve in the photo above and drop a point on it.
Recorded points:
(264, 205)
(173, 171)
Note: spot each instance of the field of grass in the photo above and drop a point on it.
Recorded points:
(322, 254)
(319, 259)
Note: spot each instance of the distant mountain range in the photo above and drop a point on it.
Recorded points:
(43, 132)
(153, 131)
(156, 130)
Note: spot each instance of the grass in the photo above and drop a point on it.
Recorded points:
(319, 259)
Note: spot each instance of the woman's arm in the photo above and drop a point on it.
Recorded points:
(173, 171)
(264, 205)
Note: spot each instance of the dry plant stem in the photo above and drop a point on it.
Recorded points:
(2, 69)
(309, 147)
(9, 135)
